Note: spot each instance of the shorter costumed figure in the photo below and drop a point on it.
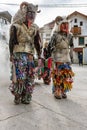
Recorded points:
(47, 65)
(62, 74)
(40, 68)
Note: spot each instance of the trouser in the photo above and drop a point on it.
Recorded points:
(22, 76)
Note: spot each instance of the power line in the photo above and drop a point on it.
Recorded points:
(9, 4)
(53, 5)
(63, 5)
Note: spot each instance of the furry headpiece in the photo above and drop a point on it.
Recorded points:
(58, 19)
(25, 7)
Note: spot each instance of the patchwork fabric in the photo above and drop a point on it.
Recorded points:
(23, 70)
(62, 77)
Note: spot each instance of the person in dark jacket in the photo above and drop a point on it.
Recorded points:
(80, 57)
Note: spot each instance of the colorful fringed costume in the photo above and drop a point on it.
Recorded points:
(47, 71)
(40, 68)
(24, 40)
(47, 65)
(58, 48)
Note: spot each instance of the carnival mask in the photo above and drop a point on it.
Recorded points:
(30, 10)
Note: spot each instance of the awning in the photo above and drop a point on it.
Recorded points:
(78, 49)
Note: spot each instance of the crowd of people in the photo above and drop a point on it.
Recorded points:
(55, 64)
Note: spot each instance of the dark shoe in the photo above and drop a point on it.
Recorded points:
(16, 100)
(58, 97)
(64, 95)
(58, 94)
(25, 102)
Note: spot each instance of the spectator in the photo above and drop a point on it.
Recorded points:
(80, 57)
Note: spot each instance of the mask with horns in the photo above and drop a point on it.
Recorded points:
(26, 13)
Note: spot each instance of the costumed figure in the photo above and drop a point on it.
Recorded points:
(44, 66)
(40, 68)
(58, 48)
(47, 65)
(24, 41)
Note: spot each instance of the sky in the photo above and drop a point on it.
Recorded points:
(47, 14)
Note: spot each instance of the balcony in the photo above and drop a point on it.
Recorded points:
(76, 30)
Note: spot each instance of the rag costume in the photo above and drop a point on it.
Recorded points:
(47, 65)
(58, 48)
(40, 68)
(43, 69)
(23, 43)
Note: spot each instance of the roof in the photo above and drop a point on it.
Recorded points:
(7, 15)
(76, 13)
(51, 24)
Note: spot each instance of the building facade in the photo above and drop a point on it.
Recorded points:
(78, 27)
(46, 32)
(5, 21)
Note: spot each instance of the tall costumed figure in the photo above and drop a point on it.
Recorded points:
(24, 41)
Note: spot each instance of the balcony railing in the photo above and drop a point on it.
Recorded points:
(76, 30)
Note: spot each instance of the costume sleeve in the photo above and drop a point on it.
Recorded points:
(37, 43)
(44, 52)
(13, 39)
(71, 42)
(70, 39)
(51, 44)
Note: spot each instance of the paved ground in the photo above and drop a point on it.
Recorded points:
(45, 112)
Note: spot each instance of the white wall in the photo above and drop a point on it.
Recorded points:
(85, 55)
(79, 19)
(75, 42)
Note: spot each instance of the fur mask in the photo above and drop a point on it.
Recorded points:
(61, 25)
(26, 11)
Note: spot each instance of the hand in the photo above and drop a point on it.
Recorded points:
(30, 57)
(11, 58)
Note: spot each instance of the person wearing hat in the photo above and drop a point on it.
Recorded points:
(23, 42)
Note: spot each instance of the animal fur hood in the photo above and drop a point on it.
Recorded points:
(20, 16)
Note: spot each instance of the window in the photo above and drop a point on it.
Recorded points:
(5, 21)
(75, 20)
(48, 35)
(75, 25)
(47, 39)
(81, 23)
(81, 40)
